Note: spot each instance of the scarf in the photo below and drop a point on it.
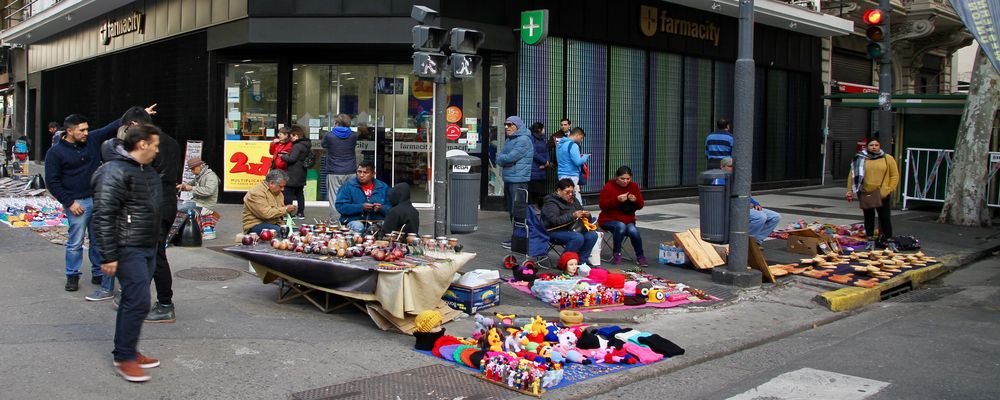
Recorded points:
(859, 167)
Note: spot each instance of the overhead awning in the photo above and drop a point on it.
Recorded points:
(870, 100)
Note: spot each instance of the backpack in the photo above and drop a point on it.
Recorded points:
(906, 243)
(310, 160)
(21, 146)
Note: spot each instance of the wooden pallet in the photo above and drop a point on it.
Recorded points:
(701, 253)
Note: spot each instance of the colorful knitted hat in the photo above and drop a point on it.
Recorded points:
(427, 321)
(615, 281)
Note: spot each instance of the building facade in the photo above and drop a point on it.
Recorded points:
(646, 79)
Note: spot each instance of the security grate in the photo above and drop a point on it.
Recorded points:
(208, 274)
(431, 382)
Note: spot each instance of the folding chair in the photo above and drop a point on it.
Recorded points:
(539, 241)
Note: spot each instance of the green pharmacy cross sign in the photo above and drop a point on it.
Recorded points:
(534, 26)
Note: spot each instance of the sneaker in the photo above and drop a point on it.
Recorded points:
(870, 246)
(100, 295)
(300, 216)
(617, 259)
(641, 260)
(208, 234)
(132, 371)
(97, 280)
(161, 314)
(505, 245)
(72, 283)
(891, 246)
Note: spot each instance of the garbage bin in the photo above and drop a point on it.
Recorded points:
(463, 193)
(713, 205)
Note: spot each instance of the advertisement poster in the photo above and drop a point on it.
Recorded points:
(246, 164)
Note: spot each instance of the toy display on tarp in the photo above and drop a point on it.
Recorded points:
(532, 355)
(605, 291)
(33, 212)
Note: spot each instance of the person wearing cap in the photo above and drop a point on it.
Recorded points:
(570, 159)
(515, 159)
(204, 190)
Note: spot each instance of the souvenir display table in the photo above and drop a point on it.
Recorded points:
(394, 291)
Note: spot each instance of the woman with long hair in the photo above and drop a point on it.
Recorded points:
(620, 198)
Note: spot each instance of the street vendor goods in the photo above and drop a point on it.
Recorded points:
(864, 269)
(532, 355)
(609, 291)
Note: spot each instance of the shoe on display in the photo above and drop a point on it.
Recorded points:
(161, 314)
(208, 234)
(641, 260)
(143, 361)
(132, 371)
(97, 280)
(100, 295)
(72, 283)
(617, 259)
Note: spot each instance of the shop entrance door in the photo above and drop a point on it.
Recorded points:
(403, 118)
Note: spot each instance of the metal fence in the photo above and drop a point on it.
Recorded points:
(927, 171)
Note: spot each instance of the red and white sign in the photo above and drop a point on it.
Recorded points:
(854, 88)
(453, 132)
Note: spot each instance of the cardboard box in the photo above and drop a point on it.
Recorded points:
(808, 242)
(670, 253)
(472, 299)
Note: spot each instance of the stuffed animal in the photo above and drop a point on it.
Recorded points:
(483, 323)
(526, 272)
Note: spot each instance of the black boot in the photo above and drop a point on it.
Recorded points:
(72, 283)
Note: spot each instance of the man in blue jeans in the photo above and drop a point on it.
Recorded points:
(127, 206)
(69, 164)
(515, 158)
(762, 220)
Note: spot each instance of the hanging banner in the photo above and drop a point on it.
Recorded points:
(247, 163)
(981, 17)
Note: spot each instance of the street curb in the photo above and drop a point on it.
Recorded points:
(612, 382)
(851, 298)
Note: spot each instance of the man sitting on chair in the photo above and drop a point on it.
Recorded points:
(560, 212)
(762, 220)
(362, 198)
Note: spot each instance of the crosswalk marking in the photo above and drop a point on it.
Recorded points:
(813, 384)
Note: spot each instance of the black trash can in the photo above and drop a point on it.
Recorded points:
(464, 174)
(713, 205)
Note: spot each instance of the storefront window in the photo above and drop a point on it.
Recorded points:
(494, 138)
(250, 122)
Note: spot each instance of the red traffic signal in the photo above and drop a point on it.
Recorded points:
(874, 17)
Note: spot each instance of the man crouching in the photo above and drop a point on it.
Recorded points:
(127, 223)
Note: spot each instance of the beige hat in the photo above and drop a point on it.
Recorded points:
(195, 162)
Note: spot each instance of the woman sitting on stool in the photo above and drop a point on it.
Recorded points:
(560, 212)
(620, 199)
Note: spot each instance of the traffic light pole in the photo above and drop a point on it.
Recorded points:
(440, 164)
(885, 117)
(736, 272)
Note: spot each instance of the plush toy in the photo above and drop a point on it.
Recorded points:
(506, 319)
(494, 340)
(526, 272)
(513, 342)
(552, 377)
(483, 323)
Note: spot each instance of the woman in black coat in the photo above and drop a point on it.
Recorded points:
(294, 189)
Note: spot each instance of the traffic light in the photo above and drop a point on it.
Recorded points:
(428, 65)
(429, 38)
(464, 44)
(877, 31)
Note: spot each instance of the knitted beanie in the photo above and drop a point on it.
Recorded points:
(615, 281)
(598, 275)
(448, 352)
(465, 357)
(426, 340)
(427, 321)
(570, 317)
(608, 331)
(645, 355)
(635, 300)
(476, 358)
(660, 345)
(456, 355)
(566, 256)
(629, 288)
(441, 342)
(588, 340)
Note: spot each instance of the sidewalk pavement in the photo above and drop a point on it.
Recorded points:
(232, 340)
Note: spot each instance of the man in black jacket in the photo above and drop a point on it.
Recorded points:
(402, 215)
(127, 197)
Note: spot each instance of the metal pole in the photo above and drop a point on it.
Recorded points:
(440, 148)
(885, 118)
(736, 272)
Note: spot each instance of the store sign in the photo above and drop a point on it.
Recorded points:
(854, 88)
(112, 28)
(247, 163)
(534, 26)
(653, 20)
